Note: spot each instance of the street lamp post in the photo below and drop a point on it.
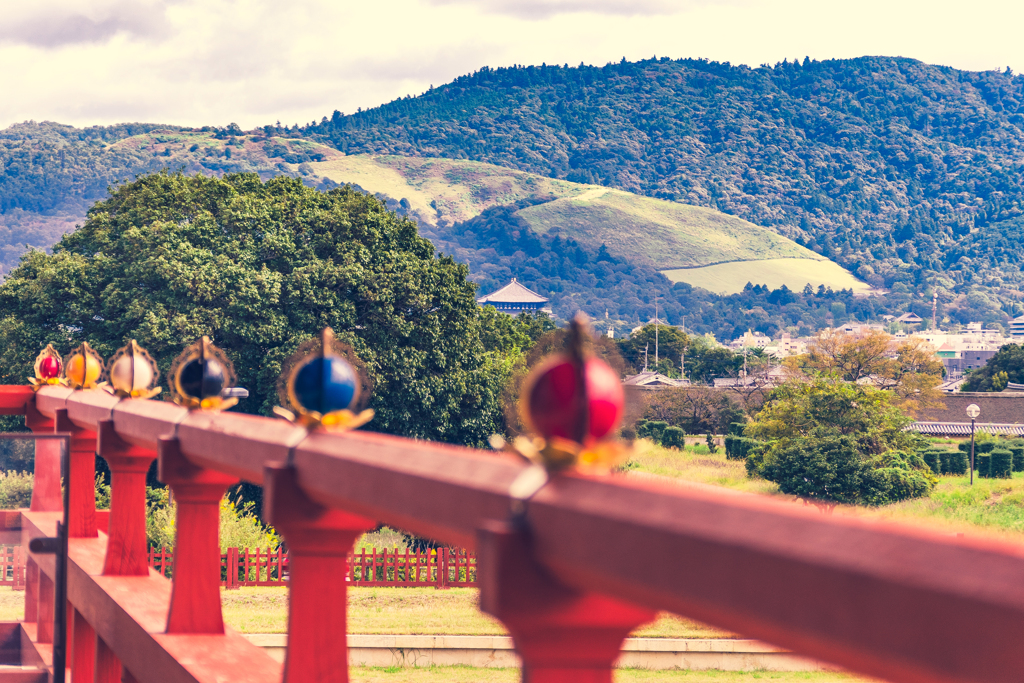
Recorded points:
(972, 412)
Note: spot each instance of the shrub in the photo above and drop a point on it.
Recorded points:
(830, 467)
(739, 447)
(1000, 463)
(983, 463)
(651, 429)
(15, 490)
(933, 459)
(1017, 448)
(712, 446)
(954, 462)
(673, 437)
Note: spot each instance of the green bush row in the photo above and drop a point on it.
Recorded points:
(944, 461)
(996, 459)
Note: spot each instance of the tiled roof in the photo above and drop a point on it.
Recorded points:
(964, 428)
(513, 293)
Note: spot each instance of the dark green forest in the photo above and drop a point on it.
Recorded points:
(901, 171)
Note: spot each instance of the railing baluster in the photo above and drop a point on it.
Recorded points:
(46, 493)
(560, 633)
(31, 591)
(126, 545)
(195, 596)
(317, 539)
(82, 647)
(82, 477)
(44, 616)
(108, 666)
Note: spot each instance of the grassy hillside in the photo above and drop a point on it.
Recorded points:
(729, 278)
(661, 234)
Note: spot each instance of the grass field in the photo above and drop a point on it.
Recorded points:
(409, 611)
(463, 674)
(991, 507)
(729, 278)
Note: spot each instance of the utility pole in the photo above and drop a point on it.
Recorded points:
(646, 347)
(935, 303)
(656, 326)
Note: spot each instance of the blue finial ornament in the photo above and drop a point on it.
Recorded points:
(321, 387)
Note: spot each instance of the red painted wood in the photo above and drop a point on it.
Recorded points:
(130, 614)
(31, 591)
(15, 398)
(195, 600)
(46, 494)
(562, 635)
(82, 647)
(82, 477)
(108, 666)
(319, 539)
(126, 545)
(44, 616)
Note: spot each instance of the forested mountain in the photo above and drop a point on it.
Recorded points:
(907, 174)
(901, 171)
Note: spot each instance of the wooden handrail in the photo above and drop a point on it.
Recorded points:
(880, 598)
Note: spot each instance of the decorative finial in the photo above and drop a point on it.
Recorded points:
(48, 368)
(133, 373)
(572, 403)
(83, 368)
(200, 376)
(322, 386)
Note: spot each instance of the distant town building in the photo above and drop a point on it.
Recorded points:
(649, 379)
(910, 319)
(514, 299)
(751, 340)
(1017, 327)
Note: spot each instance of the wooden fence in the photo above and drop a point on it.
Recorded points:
(12, 567)
(440, 568)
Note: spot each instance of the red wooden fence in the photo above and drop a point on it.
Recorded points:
(441, 568)
(12, 567)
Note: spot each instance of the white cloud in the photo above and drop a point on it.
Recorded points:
(198, 62)
(56, 24)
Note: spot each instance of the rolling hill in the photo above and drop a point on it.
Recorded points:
(680, 240)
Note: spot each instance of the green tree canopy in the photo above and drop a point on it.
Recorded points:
(1006, 366)
(837, 442)
(261, 267)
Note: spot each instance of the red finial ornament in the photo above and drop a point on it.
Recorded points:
(49, 368)
(573, 403)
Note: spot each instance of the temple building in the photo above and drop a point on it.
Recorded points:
(514, 299)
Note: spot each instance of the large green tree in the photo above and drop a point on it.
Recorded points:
(261, 267)
(831, 441)
(1006, 366)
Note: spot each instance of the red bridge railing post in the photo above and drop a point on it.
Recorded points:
(126, 545)
(195, 595)
(46, 495)
(319, 541)
(561, 634)
(81, 479)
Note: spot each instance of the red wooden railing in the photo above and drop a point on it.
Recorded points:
(441, 568)
(899, 603)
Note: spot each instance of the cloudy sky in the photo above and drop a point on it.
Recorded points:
(199, 62)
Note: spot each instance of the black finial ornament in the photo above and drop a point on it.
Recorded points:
(322, 386)
(200, 376)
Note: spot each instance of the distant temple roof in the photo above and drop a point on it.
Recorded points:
(909, 318)
(513, 293)
(649, 378)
